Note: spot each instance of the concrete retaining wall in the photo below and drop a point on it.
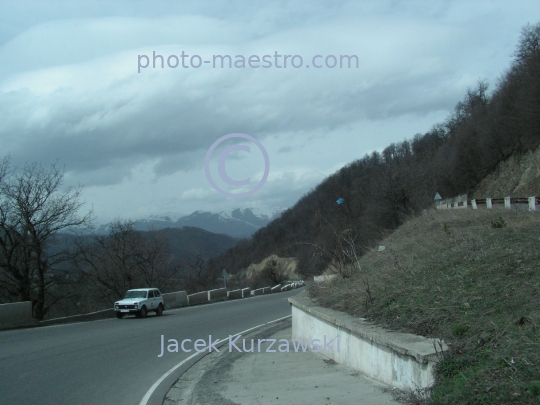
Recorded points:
(198, 298)
(402, 360)
(16, 314)
(276, 288)
(175, 299)
(216, 294)
(324, 277)
(267, 290)
(234, 294)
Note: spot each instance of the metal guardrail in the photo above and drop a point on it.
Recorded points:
(20, 314)
(507, 202)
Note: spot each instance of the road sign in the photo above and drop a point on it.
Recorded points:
(224, 275)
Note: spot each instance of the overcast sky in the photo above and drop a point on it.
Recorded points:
(70, 90)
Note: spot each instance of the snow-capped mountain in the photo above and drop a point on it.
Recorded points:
(239, 223)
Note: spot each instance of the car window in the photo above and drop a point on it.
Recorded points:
(135, 294)
(150, 294)
(156, 293)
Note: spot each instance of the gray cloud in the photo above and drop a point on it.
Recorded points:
(69, 87)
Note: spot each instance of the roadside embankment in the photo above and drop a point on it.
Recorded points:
(402, 360)
(468, 277)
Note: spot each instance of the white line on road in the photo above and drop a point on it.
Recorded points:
(149, 393)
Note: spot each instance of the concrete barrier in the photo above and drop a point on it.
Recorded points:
(276, 289)
(267, 290)
(92, 316)
(532, 203)
(175, 299)
(286, 288)
(198, 298)
(518, 203)
(258, 291)
(216, 294)
(246, 292)
(16, 314)
(402, 360)
(324, 277)
(234, 294)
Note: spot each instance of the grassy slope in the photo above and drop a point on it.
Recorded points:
(451, 274)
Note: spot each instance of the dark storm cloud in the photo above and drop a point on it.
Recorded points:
(70, 90)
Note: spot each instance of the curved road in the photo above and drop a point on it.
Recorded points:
(115, 361)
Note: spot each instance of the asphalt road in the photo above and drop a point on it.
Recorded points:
(115, 361)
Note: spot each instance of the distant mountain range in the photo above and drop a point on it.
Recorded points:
(239, 223)
(184, 243)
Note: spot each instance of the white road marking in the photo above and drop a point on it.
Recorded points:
(149, 393)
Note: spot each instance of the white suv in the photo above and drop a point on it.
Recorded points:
(139, 302)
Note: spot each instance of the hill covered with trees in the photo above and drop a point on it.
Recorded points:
(381, 190)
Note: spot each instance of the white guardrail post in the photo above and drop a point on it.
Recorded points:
(532, 203)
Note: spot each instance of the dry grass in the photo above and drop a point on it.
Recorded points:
(455, 275)
(285, 264)
(519, 176)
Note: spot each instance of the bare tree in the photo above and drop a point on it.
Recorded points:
(529, 44)
(194, 277)
(201, 275)
(125, 259)
(273, 272)
(334, 250)
(33, 209)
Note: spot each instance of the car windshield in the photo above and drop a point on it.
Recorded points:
(135, 294)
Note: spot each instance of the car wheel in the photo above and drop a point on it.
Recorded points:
(159, 310)
(143, 312)
(119, 315)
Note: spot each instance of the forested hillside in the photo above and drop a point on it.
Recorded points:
(189, 242)
(381, 190)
